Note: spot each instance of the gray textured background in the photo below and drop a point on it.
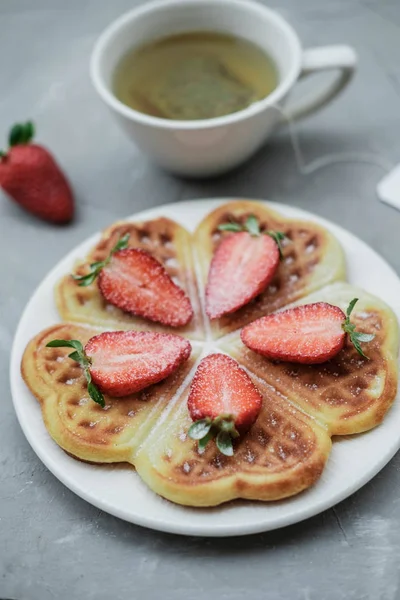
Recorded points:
(54, 545)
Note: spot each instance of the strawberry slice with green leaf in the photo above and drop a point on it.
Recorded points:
(242, 266)
(80, 356)
(120, 363)
(308, 334)
(135, 282)
(96, 267)
(223, 402)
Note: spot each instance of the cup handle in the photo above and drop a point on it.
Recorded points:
(325, 58)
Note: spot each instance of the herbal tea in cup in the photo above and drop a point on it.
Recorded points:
(199, 85)
(194, 75)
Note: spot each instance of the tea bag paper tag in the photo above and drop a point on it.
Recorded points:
(388, 188)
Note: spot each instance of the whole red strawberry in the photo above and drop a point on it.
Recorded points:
(31, 177)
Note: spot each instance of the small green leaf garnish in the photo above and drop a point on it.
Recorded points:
(222, 428)
(95, 394)
(121, 244)
(85, 280)
(199, 429)
(356, 337)
(229, 427)
(252, 226)
(75, 356)
(66, 344)
(204, 441)
(278, 237)
(96, 267)
(80, 356)
(364, 337)
(351, 306)
(230, 227)
(224, 443)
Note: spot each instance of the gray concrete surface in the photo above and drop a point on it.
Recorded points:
(53, 544)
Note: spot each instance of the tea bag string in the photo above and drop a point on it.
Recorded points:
(329, 159)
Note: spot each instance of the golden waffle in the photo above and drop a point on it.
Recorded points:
(349, 394)
(312, 259)
(74, 421)
(162, 238)
(283, 453)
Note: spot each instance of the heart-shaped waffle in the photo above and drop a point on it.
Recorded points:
(312, 258)
(75, 422)
(164, 239)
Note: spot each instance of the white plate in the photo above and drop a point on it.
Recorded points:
(119, 491)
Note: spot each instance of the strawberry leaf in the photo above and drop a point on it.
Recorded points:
(206, 429)
(235, 227)
(66, 344)
(122, 243)
(85, 280)
(356, 337)
(351, 306)
(199, 429)
(15, 135)
(95, 394)
(363, 337)
(278, 238)
(21, 133)
(204, 441)
(28, 131)
(224, 443)
(229, 427)
(252, 225)
(80, 356)
(96, 267)
(357, 346)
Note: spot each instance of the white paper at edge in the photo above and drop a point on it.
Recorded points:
(388, 189)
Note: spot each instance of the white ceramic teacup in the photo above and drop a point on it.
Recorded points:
(211, 146)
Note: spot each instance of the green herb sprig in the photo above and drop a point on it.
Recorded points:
(96, 267)
(356, 337)
(252, 226)
(80, 356)
(221, 428)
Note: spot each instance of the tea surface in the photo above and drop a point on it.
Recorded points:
(196, 75)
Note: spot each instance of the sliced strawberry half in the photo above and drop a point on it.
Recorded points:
(124, 362)
(137, 283)
(223, 402)
(242, 266)
(308, 334)
(120, 363)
